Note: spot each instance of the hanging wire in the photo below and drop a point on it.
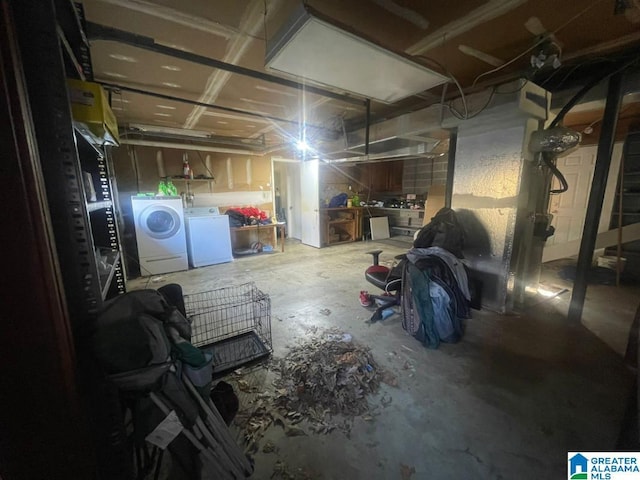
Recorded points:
(544, 38)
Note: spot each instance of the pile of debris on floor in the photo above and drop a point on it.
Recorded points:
(324, 381)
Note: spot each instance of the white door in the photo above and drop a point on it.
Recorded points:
(568, 208)
(293, 200)
(310, 203)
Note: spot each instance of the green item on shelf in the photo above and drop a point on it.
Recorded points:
(162, 188)
(171, 188)
(355, 201)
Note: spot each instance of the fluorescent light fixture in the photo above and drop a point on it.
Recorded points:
(302, 146)
(151, 129)
(319, 51)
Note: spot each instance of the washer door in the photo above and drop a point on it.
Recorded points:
(160, 222)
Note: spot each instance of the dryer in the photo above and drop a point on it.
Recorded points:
(160, 234)
(208, 236)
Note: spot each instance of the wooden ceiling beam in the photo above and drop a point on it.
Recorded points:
(490, 10)
(176, 16)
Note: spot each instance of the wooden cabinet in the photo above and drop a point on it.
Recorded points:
(386, 176)
(340, 225)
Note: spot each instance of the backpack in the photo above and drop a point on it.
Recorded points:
(443, 231)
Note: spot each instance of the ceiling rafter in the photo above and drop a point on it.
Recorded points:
(252, 22)
(101, 32)
(488, 11)
(177, 16)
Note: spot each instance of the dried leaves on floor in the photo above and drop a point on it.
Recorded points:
(323, 382)
(324, 376)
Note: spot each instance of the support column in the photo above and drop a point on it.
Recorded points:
(451, 161)
(598, 185)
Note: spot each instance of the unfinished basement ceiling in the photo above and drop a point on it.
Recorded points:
(453, 34)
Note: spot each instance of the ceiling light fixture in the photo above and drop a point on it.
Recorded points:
(169, 84)
(166, 107)
(151, 129)
(171, 68)
(162, 114)
(310, 47)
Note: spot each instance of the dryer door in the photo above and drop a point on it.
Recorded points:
(160, 222)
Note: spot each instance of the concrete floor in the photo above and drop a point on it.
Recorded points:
(508, 401)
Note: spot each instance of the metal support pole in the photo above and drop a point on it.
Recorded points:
(451, 161)
(598, 185)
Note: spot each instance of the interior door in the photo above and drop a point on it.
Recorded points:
(293, 201)
(568, 209)
(310, 202)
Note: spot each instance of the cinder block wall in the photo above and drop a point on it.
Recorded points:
(420, 173)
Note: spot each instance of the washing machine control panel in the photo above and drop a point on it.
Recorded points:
(196, 211)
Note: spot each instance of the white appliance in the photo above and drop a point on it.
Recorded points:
(208, 236)
(160, 234)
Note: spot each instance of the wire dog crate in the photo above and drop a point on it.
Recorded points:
(233, 323)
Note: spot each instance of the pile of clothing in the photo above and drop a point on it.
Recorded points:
(435, 286)
(241, 216)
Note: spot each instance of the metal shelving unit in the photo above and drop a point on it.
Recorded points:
(104, 229)
(53, 47)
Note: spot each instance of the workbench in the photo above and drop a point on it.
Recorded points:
(282, 226)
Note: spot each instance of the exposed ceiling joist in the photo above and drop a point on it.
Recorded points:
(125, 88)
(484, 57)
(251, 22)
(604, 46)
(405, 13)
(488, 11)
(101, 32)
(176, 16)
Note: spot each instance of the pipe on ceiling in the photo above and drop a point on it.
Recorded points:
(185, 146)
(114, 86)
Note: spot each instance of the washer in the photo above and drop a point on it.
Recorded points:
(208, 236)
(160, 234)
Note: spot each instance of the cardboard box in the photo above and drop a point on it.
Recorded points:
(89, 106)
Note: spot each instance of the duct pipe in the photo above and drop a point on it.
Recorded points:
(184, 146)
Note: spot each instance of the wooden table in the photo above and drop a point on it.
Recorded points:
(282, 226)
